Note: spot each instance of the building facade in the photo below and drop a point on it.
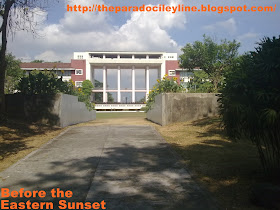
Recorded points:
(118, 77)
(125, 77)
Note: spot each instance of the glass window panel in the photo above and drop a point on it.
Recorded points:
(98, 79)
(112, 97)
(112, 79)
(97, 97)
(126, 97)
(153, 73)
(140, 97)
(126, 79)
(140, 80)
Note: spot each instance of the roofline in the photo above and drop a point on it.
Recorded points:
(126, 52)
(195, 69)
(47, 69)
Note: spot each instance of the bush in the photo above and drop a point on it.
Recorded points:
(82, 97)
(83, 93)
(163, 86)
(47, 82)
(38, 82)
(250, 101)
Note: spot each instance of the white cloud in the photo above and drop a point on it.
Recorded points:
(52, 56)
(228, 26)
(249, 35)
(93, 31)
(248, 40)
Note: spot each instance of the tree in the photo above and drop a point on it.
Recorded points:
(37, 61)
(250, 101)
(13, 74)
(87, 87)
(15, 15)
(213, 58)
(200, 83)
(163, 86)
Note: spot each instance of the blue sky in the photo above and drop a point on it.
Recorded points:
(60, 33)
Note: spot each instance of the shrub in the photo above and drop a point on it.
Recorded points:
(82, 97)
(47, 82)
(87, 87)
(250, 101)
(163, 86)
(38, 82)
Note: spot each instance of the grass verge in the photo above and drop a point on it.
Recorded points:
(18, 139)
(227, 169)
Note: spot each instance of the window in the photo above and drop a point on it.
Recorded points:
(78, 83)
(63, 72)
(79, 72)
(80, 56)
(171, 73)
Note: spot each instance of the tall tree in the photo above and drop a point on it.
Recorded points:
(13, 73)
(213, 58)
(15, 15)
(249, 103)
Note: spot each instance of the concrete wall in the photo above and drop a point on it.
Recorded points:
(156, 114)
(178, 107)
(72, 111)
(60, 109)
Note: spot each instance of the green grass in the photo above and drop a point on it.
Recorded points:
(114, 115)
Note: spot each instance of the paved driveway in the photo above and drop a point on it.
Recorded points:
(129, 167)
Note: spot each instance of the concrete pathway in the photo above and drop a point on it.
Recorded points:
(129, 167)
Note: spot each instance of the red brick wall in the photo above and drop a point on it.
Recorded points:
(78, 64)
(172, 65)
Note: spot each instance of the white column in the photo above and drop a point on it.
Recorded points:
(88, 68)
(104, 84)
(147, 81)
(133, 84)
(119, 84)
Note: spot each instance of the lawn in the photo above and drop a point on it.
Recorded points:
(114, 115)
(119, 118)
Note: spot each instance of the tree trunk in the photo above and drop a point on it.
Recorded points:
(3, 63)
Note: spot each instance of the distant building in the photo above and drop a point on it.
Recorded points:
(118, 77)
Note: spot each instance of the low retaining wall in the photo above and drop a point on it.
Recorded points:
(60, 109)
(178, 107)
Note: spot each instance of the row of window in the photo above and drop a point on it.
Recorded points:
(68, 72)
(129, 56)
(63, 72)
